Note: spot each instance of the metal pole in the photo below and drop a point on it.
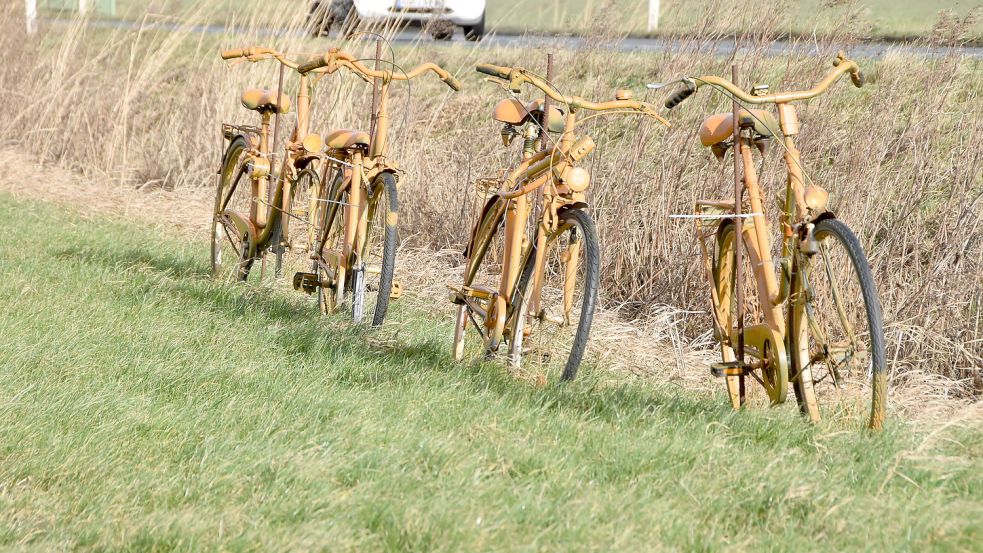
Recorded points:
(738, 235)
(547, 105)
(374, 117)
(653, 15)
(284, 218)
(31, 16)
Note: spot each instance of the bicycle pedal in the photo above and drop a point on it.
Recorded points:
(456, 297)
(307, 282)
(730, 368)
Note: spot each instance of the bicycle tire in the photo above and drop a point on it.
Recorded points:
(859, 289)
(583, 225)
(383, 194)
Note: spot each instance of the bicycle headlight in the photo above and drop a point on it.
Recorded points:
(816, 198)
(577, 179)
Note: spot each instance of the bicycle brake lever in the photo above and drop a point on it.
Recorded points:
(497, 81)
(659, 86)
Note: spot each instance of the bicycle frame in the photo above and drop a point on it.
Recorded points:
(804, 207)
(773, 288)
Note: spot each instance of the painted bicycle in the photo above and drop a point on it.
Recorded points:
(334, 199)
(532, 261)
(813, 319)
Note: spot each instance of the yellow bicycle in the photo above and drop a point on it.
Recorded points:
(533, 258)
(813, 320)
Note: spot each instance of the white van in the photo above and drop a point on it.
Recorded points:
(440, 17)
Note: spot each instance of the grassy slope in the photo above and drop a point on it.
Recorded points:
(884, 18)
(887, 18)
(144, 407)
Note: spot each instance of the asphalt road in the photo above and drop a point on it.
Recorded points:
(869, 50)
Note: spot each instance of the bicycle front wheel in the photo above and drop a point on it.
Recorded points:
(555, 332)
(373, 284)
(836, 329)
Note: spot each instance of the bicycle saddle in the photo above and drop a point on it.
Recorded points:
(260, 99)
(514, 112)
(343, 139)
(720, 127)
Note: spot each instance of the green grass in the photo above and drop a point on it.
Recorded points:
(144, 407)
(883, 18)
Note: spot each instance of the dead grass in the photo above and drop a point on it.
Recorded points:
(111, 112)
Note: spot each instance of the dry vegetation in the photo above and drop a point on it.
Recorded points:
(901, 156)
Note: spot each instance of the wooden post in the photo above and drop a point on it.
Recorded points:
(31, 16)
(653, 15)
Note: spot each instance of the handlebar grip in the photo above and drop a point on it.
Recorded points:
(315, 63)
(453, 83)
(678, 97)
(493, 70)
(232, 54)
(858, 78)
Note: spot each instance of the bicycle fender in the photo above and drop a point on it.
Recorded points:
(245, 228)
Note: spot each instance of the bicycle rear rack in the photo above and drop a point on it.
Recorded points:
(230, 131)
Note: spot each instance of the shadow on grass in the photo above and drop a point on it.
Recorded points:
(136, 257)
(373, 358)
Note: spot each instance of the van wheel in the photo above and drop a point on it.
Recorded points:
(475, 32)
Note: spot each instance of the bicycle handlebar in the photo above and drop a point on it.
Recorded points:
(257, 53)
(518, 76)
(335, 58)
(679, 96)
(841, 65)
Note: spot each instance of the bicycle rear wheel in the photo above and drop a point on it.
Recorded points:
(230, 247)
(772, 372)
(329, 231)
(295, 246)
(484, 264)
(837, 331)
(557, 333)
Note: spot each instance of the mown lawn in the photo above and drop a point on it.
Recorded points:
(145, 408)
